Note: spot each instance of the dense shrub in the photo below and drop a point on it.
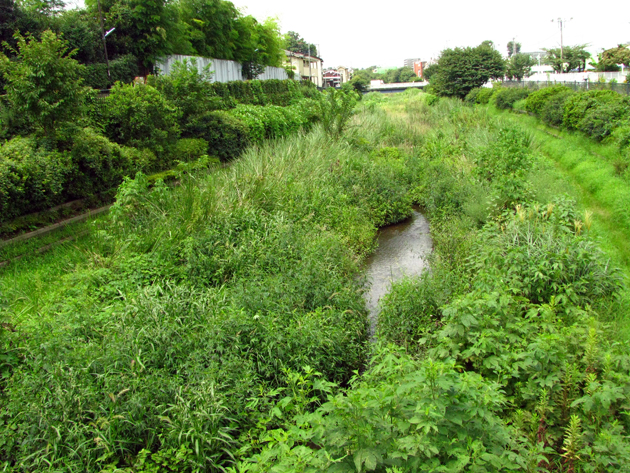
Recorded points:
(506, 97)
(31, 178)
(621, 134)
(471, 97)
(336, 108)
(139, 116)
(401, 415)
(484, 95)
(190, 149)
(189, 90)
(122, 69)
(576, 107)
(282, 92)
(552, 112)
(247, 92)
(270, 121)
(267, 92)
(226, 135)
(504, 164)
(537, 100)
(601, 119)
(97, 165)
(310, 110)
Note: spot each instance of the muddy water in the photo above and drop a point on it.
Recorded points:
(403, 250)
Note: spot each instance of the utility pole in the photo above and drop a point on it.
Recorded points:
(561, 23)
(309, 63)
(513, 46)
(561, 48)
(100, 14)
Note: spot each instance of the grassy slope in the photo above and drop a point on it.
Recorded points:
(587, 169)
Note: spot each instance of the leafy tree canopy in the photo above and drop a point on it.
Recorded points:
(571, 57)
(149, 29)
(610, 59)
(460, 70)
(294, 42)
(44, 83)
(513, 48)
(519, 66)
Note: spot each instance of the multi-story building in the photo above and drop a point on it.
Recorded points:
(332, 78)
(306, 67)
(410, 62)
(419, 67)
(346, 73)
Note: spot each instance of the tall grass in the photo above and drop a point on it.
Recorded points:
(168, 326)
(200, 324)
(512, 321)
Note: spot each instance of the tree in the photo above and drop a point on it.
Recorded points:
(460, 70)
(610, 59)
(407, 75)
(44, 83)
(83, 34)
(44, 7)
(513, 48)
(428, 71)
(294, 42)
(358, 83)
(212, 27)
(8, 19)
(571, 57)
(519, 66)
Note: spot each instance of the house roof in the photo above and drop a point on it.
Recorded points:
(294, 54)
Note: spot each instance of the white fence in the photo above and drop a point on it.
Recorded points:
(224, 71)
(578, 77)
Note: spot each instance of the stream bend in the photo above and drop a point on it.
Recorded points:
(403, 249)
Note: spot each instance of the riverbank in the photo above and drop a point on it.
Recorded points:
(221, 324)
(187, 303)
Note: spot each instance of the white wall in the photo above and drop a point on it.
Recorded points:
(578, 76)
(224, 71)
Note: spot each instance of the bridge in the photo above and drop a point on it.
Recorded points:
(396, 87)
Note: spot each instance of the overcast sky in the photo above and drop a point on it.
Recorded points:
(385, 32)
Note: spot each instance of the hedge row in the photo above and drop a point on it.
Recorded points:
(502, 97)
(33, 178)
(142, 127)
(122, 69)
(142, 131)
(601, 114)
(256, 92)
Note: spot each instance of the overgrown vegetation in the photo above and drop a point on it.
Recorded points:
(219, 325)
(66, 143)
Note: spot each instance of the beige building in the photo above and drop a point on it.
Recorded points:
(306, 67)
(346, 73)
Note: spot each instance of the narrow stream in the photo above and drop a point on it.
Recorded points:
(402, 251)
